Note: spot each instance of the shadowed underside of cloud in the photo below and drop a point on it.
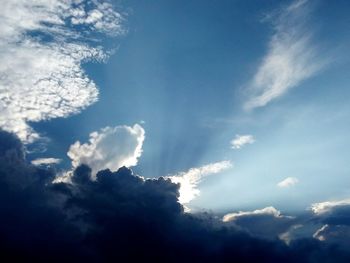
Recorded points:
(121, 217)
(291, 58)
(42, 46)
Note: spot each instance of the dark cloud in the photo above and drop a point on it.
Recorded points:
(121, 217)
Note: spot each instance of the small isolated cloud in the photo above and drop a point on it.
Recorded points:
(189, 180)
(43, 44)
(328, 206)
(240, 140)
(270, 210)
(110, 148)
(46, 161)
(291, 58)
(288, 182)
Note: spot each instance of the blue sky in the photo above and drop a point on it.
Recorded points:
(194, 74)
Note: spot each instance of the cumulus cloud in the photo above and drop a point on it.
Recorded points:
(46, 161)
(99, 221)
(240, 140)
(288, 182)
(266, 223)
(190, 180)
(43, 44)
(109, 148)
(291, 58)
(329, 206)
(270, 210)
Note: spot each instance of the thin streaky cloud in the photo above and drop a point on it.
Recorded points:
(270, 210)
(292, 56)
(46, 161)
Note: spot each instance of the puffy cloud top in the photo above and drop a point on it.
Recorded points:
(109, 148)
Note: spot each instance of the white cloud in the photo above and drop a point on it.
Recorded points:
(290, 234)
(270, 210)
(328, 206)
(291, 58)
(190, 180)
(240, 140)
(110, 148)
(46, 161)
(41, 54)
(288, 182)
(319, 233)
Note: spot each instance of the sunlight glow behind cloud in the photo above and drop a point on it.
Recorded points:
(190, 180)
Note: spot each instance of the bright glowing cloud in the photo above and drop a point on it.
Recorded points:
(291, 58)
(288, 182)
(42, 46)
(270, 210)
(240, 140)
(46, 161)
(328, 206)
(109, 148)
(190, 180)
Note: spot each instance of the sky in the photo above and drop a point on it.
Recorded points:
(244, 103)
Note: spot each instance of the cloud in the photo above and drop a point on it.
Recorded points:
(46, 161)
(267, 222)
(190, 180)
(109, 148)
(334, 234)
(270, 210)
(329, 206)
(240, 140)
(292, 56)
(288, 182)
(121, 216)
(43, 44)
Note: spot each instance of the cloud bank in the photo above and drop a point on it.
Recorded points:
(292, 56)
(43, 44)
(120, 216)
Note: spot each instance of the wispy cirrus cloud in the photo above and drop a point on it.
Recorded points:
(292, 56)
(190, 180)
(43, 44)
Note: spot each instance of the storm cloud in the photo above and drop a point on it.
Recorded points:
(121, 216)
